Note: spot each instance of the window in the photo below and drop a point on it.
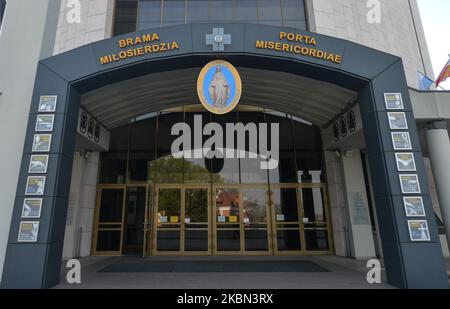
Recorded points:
(141, 151)
(132, 15)
(150, 14)
(269, 12)
(174, 12)
(294, 14)
(125, 15)
(246, 10)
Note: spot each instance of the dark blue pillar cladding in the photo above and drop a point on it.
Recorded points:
(408, 264)
(37, 265)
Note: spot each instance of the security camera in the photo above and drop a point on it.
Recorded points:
(337, 154)
(87, 154)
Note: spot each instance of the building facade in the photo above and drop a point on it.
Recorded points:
(204, 127)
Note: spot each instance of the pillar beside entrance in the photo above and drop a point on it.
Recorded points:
(438, 142)
(360, 227)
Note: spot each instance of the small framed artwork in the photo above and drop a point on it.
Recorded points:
(405, 162)
(32, 208)
(28, 231)
(394, 101)
(47, 103)
(410, 184)
(42, 142)
(35, 185)
(418, 230)
(414, 206)
(38, 164)
(401, 141)
(397, 121)
(44, 123)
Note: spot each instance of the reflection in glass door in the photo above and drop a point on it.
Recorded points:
(255, 221)
(227, 220)
(196, 215)
(242, 224)
(286, 221)
(315, 219)
(182, 221)
(168, 221)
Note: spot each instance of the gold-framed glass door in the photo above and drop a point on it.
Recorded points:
(242, 220)
(286, 222)
(227, 220)
(120, 219)
(316, 219)
(182, 220)
(109, 221)
(196, 230)
(256, 221)
(167, 218)
(136, 201)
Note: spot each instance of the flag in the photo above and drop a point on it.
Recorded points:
(444, 74)
(425, 83)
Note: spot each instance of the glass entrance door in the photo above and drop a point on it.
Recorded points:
(134, 221)
(196, 228)
(256, 221)
(167, 238)
(120, 220)
(108, 230)
(182, 221)
(204, 220)
(286, 222)
(242, 221)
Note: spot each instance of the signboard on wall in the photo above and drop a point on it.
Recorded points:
(359, 211)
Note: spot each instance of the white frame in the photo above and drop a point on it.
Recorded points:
(28, 181)
(20, 230)
(397, 154)
(397, 128)
(55, 97)
(401, 100)
(406, 209)
(410, 175)
(49, 143)
(393, 141)
(41, 200)
(46, 115)
(46, 165)
(410, 233)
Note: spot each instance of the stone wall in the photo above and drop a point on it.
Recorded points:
(395, 34)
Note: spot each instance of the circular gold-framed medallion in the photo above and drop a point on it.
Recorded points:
(219, 87)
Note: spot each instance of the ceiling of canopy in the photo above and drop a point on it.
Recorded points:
(314, 101)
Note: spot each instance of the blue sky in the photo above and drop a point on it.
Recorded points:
(436, 22)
